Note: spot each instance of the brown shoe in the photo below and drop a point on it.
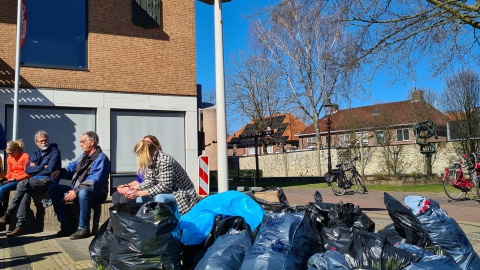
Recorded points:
(80, 234)
(4, 219)
(18, 231)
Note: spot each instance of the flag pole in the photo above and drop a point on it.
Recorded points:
(17, 70)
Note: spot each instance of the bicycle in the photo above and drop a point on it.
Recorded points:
(345, 177)
(459, 188)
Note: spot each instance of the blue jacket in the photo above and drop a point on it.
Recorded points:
(45, 162)
(97, 176)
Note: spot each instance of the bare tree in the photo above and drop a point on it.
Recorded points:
(402, 33)
(254, 89)
(462, 101)
(314, 55)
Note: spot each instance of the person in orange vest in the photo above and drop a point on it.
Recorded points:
(16, 162)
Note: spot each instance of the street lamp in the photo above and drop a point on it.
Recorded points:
(255, 136)
(329, 110)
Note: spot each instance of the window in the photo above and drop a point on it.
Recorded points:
(380, 136)
(251, 150)
(270, 149)
(344, 140)
(56, 34)
(403, 135)
(362, 136)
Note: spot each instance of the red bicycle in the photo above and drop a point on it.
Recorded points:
(457, 186)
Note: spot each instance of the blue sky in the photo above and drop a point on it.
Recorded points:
(235, 32)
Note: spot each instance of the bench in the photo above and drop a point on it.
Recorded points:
(41, 219)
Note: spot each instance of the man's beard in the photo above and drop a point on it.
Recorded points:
(45, 147)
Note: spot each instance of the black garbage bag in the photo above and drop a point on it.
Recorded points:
(100, 247)
(343, 220)
(368, 250)
(284, 241)
(406, 223)
(392, 235)
(221, 226)
(271, 199)
(350, 215)
(227, 252)
(323, 209)
(150, 239)
(336, 236)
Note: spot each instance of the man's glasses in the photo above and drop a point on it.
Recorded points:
(85, 141)
(42, 141)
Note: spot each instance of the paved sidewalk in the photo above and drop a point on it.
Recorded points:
(43, 251)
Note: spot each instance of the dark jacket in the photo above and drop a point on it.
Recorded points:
(45, 162)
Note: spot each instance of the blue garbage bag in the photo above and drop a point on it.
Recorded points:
(197, 223)
(428, 260)
(284, 241)
(330, 260)
(444, 231)
(227, 252)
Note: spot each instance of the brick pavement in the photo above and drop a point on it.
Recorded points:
(43, 251)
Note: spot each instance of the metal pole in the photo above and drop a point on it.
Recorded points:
(256, 163)
(221, 104)
(17, 70)
(361, 156)
(329, 158)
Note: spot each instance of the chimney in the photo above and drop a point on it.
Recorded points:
(417, 95)
(335, 108)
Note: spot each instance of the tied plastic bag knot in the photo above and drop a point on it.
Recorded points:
(425, 207)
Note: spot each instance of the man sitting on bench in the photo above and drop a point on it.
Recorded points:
(89, 174)
(42, 163)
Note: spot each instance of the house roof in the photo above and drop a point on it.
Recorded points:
(285, 127)
(380, 115)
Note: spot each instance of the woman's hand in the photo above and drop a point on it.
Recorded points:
(131, 194)
(123, 188)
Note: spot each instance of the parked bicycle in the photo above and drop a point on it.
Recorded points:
(457, 186)
(345, 177)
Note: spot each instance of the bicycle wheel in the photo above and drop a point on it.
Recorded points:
(358, 182)
(337, 187)
(455, 192)
(477, 184)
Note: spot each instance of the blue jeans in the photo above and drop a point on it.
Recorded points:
(5, 190)
(158, 198)
(86, 197)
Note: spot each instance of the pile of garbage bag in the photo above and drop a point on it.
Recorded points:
(260, 230)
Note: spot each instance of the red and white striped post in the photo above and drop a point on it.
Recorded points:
(203, 176)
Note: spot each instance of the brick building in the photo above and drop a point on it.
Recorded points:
(387, 123)
(121, 68)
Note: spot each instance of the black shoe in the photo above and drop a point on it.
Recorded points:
(18, 231)
(66, 229)
(80, 234)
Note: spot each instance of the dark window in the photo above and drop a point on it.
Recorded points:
(56, 34)
(403, 135)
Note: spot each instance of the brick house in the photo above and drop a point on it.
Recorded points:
(121, 68)
(284, 127)
(388, 123)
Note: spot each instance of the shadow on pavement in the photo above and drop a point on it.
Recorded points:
(24, 260)
(23, 239)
